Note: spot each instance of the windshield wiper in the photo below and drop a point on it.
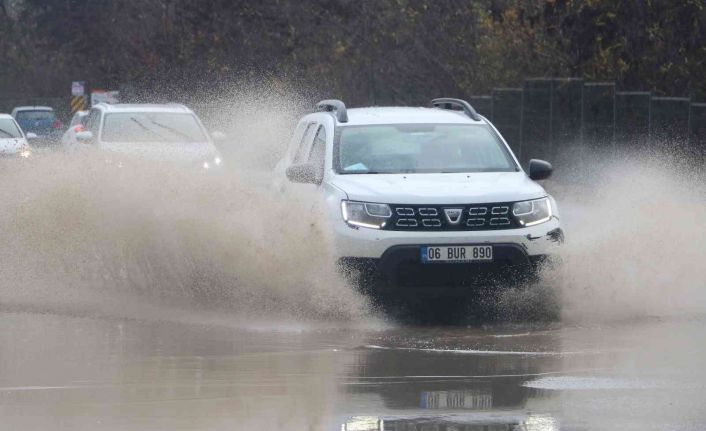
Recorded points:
(163, 138)
(171, 129)
(7, 133)
(365, 172)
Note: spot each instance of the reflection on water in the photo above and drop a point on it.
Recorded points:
(420, 388)
(508, 421)
(63, 373)
(571, 378)
(437, 379)
(66, 373)
(464, 399)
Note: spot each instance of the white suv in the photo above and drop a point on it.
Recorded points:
(424, 196)
(168, 132)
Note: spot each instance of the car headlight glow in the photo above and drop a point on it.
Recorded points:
(25, 153)
(208, 164)
(365, 214)
(530, 213)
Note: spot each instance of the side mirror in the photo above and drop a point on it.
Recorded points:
(304, 173)
(218, 136)
(31, 135)
(539, 169)
(84, 136)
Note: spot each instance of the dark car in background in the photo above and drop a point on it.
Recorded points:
(40, 120)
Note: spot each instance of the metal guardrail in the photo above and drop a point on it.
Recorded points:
(553, 118)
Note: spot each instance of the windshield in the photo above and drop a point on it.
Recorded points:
(8, 129)
(152, 127)
(420, 148)
(40, 121)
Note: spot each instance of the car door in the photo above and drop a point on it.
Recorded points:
(313, 151)
(301, 140)
(91, 124)
(317, 151)
(304, 148)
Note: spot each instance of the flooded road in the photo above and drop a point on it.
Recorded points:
(78, 373)
(151, 299)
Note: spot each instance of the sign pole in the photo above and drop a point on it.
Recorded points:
(78, 96)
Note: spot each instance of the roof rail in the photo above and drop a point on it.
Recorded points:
(179, 105)
(448, 103)
(336, 106)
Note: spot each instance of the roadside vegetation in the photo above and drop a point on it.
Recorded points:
(363, 51)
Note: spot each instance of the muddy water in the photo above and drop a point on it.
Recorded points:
(143, 296)
(97, 233)
(67, 373)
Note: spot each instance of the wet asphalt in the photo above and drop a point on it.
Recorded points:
(60, 372)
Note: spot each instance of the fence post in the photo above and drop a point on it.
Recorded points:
(598, 117)
(669, 121)
(688, 129)
(522, 124)
(507, 116)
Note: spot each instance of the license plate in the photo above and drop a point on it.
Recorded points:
(461, 399)
(457, 253)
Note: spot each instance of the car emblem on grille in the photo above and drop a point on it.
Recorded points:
(453, 215)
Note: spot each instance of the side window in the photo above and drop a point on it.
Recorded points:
(296, 139)
(318, 148)
(305, 144)
(93, 121)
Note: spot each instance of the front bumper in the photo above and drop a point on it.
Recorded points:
(400, 266)
(536, 240)
(396, 256)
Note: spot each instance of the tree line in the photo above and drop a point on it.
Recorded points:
(364, 51)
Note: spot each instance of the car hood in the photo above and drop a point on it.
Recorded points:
(159, 151)
(12, 145)
(456, 188)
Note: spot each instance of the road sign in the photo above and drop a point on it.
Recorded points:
(102, 96)
(78, 88)
(78, 103)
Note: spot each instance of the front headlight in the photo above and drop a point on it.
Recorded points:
(25, 153)
(210, 164)
(530, 213)
(365, 214)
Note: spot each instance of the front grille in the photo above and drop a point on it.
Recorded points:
(492, 216)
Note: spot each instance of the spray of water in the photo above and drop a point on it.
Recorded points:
(636, 240)
(635, 243)
(95, 233)
(134, 237)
